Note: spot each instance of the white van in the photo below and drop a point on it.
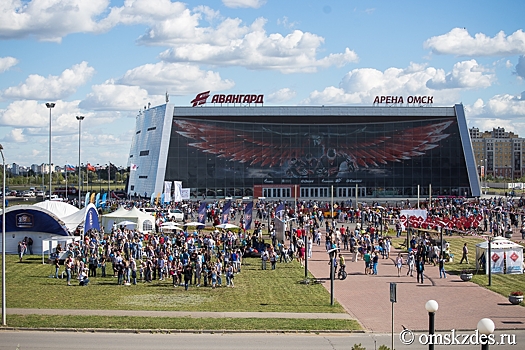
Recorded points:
(176, 214)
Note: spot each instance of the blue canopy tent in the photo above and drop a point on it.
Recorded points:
(31, 221)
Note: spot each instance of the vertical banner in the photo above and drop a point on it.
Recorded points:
(104, 200)
(91, 220)
(279, 212)
(202, 213)
(92, 199)
(248, 216)
(496, 264)
(514, 260)
(167, 191)
(86, 200)
(152, 198)
(177, 191)
(97, 200)
(157, 199)
(226, 212)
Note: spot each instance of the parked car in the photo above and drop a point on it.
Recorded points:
(28, 194)
(176, 214)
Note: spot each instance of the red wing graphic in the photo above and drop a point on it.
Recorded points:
(312, 153)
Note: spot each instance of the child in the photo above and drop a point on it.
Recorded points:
(399, 264)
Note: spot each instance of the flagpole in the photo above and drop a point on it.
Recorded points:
(66, 180)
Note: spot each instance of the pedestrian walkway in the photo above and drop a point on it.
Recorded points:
(367, 297)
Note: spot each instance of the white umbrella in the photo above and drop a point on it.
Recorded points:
(126, 223)
(227, 226)
(169, 228)
(169, 224)
(193, 224)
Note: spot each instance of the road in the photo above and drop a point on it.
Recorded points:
(28, 340)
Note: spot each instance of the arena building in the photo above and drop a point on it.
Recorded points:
(239, 148)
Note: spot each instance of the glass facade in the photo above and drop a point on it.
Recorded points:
(305, 155)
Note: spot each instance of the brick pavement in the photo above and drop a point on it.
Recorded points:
(367, 297)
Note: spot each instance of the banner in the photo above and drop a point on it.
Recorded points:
(167, 191)
(226, 212)
(177, 191)
(103, 202)
(97, 200)
(92, 199)
(91, 220)
(157, 199)
(202, 213)
(86, 200)
(279, 212)
(248, 216)
(185, 193)
(514, 260)
(497, 260)
(152, 198)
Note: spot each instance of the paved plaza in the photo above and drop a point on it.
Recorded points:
(367, 297)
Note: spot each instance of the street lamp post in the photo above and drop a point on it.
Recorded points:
(80, 118)
(4, 321)
(432, 307)
(485, 327)
(50, 105)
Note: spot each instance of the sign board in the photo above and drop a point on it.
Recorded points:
(393, 292)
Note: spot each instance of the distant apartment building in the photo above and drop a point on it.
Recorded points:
(15, 169)
(498, 152)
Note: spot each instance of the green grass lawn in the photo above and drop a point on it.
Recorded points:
(170, 323)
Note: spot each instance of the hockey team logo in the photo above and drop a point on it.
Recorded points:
(200, 99)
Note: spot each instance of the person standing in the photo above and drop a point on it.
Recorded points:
(273, 259)
(420, 269)
(367, 259)
(188, 274)
(57, 266)
(399, 264)
(375, 260)
(411, 264)
(465, 254)
(69, 266)
(441, 264)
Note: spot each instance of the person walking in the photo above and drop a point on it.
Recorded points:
(465, 254)
(411, 262)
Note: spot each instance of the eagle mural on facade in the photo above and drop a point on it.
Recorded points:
(328, 153)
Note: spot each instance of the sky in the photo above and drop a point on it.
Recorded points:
(106, 60)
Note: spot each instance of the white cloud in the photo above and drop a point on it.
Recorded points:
(244, 3)
(281, 95)
(6, 63)
(464, 75)
(15, 135)
(360, 86)
(48, 20)
(37, 87)
(176, 78)
(115, 97)
(498, 106)
(459, 42)
(520, 67)
(254, 49)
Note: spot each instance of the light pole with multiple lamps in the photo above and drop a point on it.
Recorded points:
(80, 118)
(4, 321)
(431, 306)
(485, 327)
(50, 105)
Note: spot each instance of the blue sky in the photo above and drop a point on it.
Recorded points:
(106, 60)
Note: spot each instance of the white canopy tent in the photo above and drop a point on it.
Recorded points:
(144, 221)
(506, 256)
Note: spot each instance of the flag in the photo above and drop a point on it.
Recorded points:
(279, 212)
(92, 199)
(70, 167)
(97, 200)
(167, 192)
(177, 193)
(202, 213)
(226, 212)
(86, 200)
(133, 167)
(248, 216)
(90, 167)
